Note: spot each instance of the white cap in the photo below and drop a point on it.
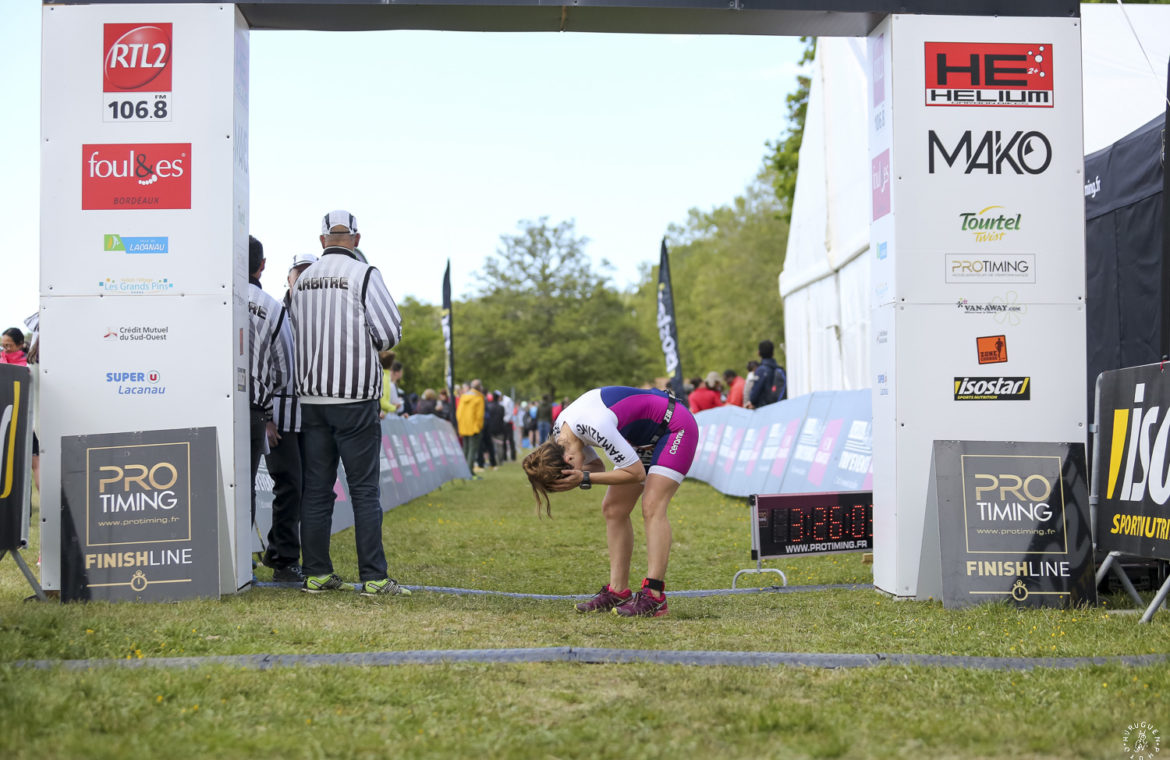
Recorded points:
(340, 217)
(302, 259)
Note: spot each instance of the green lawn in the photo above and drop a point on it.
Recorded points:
(486, 535)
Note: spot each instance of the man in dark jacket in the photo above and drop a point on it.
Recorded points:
(493, 427)
(771, 384)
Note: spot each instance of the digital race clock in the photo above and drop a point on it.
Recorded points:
(812, 523)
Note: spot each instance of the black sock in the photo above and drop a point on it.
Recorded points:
(655, 585)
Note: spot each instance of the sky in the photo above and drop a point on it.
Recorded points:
(441, 142)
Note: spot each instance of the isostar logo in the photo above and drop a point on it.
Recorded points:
(136, 176)
(994, 152)
(990, 268)
(126, 244)
(1145, 477)
(1014, 75)
(989, 225)
(993, 389)
(992, 349)
(137, 58)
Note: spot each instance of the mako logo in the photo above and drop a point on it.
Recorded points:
(136, 176)
(993, 389)
(989, 225)
(989, 74)
(1146, 429)
(135, 245)
(994, 152)
(137, 58)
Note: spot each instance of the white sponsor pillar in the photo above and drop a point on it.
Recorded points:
(144, 231)
(978, 244)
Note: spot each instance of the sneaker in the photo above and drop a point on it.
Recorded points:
(604, 600)
(386, 586)
(642, 605)
(315, 584)
(288, 574)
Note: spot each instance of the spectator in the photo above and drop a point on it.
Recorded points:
(493, 427)
(285, 463)
(770, 383)
(469, 413)
(706, 395)
(557, 407)
(12, 349)
(508, 436)
(391, 401)
(428, 402)
(544, 418)
(269, 367)
(443, 407)
(735, 385)
(339, 382)
(748, 382)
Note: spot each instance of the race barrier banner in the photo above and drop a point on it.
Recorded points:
(142, 517)
(1007, 521)
(15, 455)
(810, 444)
(1131, 475)
(419, 454)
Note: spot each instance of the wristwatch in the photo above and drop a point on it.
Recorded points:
(586, 484)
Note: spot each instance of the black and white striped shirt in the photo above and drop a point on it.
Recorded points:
(270, 338)
(343, 315)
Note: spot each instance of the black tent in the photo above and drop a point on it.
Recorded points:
(1123, 252)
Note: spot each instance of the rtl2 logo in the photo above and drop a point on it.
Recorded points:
(989, 74)
(137, 58)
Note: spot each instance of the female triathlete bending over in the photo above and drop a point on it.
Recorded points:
(651, 441)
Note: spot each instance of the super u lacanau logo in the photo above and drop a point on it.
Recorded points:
(137, 58)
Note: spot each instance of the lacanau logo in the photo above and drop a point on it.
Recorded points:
(137, 58)
(993, 388)
(136, 176)
(1010, 74)
(127, 244)
(995, 152)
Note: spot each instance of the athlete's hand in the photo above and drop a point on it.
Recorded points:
(568, 480)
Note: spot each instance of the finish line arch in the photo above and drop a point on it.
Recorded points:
(155, 157)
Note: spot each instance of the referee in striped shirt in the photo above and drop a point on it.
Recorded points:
(269, 367)
(342, 316)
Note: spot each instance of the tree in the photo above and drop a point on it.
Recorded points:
(421, 350)
(724, 268)
(543, 320)
(784, 156)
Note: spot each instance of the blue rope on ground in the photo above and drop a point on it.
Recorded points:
(695, 593)
(590, 655)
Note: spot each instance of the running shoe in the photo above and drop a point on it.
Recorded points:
(604, 600)
(643, 604)
(386, 586)
(315, 584)
(288, 574)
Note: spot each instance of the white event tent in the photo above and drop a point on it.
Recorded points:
(825, 284)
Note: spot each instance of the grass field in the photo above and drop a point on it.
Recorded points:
(486, 535)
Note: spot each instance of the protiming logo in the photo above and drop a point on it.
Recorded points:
(993, 389)
(136, 176)
(137, 58)
(995, 152)
(1014, 75)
